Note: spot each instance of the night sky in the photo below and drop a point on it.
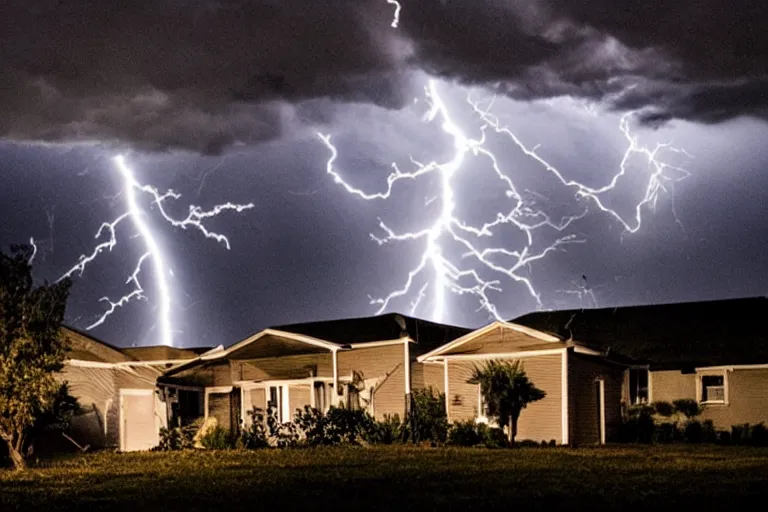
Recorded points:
(223, 101)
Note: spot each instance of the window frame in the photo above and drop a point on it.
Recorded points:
(700, 374)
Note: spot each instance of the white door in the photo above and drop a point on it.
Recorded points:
(138, 427)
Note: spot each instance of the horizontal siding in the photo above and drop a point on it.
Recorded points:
(432, 375)
(219, 407)
(667, 386)
(541, 420)
(385, 364)
(502, 340)
(747, 400)
(287, 367)
(298, 396)
(583, 410)
(95, 390)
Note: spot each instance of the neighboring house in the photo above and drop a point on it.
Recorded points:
(116, 390)
(715, 352)
(367, 363)
(583, 387)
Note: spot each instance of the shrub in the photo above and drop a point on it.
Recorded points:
(758, 435)
(218, 438)
(638, 426)
(664, 409)
(430, 422)
(491, 437)
(178, 438)
(688, 407)
(740, 434)
(464, 433)
(256, 435)
(693, 432)
(666, 433)
(388, 431)
(528, 443)
(338, 426)
(723, 437)
(708, 433)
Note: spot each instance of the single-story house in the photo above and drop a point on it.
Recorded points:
(715, 352)
(370, 363)
(116, 390)
(583, 386)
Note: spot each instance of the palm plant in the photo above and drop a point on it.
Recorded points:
(506, 391)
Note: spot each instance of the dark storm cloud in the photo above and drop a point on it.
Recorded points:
(204, 75)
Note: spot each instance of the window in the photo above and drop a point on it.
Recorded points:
(276, 401)
(638, 386)
(713, 388)
(482, 407)
(319, 390)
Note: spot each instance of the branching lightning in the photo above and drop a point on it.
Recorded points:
(194, 219)
(396, 15)
(465, 275)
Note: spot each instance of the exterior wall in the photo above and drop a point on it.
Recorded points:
(747, 400)
(97, 395)
(287, 367)
(539, 421)
(427, 375)
(583, 411)
(747, 395)
(667, 386)
(219, 407)
(383, 366)
(299, 396)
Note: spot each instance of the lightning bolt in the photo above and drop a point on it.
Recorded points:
(194, 219)
(34, 250)
(456, 275)
(396, 15)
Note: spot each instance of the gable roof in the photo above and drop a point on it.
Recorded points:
(675, 336)
(427, 335)
(85, 347)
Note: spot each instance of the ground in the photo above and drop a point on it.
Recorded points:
(386, 478)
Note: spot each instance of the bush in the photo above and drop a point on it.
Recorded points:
(256, 435)
(389, 431)
(638, 426)
(666, 433)
(338, 426)
(693, 432)
(218, 438)
(708, 433)
(688, 407)
(428, 415)
(491, 437)
(664, 409)
(528, 443)
(758, 435)
(178, 438)
(740, 434)
(464, 433)
(723, 437)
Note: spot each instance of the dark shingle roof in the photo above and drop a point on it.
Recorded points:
(428, 335)
(682, 335)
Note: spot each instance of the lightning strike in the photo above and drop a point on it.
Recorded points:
(396, 15)
(34, 250)
(466, 275)
(194, 220)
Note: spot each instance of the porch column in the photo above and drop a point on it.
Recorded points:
(336, 389)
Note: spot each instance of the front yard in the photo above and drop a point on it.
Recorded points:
(398, 478)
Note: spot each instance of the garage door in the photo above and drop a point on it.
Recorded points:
(139, 429)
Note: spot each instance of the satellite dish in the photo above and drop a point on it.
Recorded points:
(400, 321)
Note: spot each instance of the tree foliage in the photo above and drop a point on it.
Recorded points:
(506, 391)
(32, 348)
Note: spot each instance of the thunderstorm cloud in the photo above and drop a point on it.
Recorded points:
(205, 75)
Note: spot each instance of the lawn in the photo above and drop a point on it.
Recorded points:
(386, 478)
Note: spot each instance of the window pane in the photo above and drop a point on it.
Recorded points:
(712, 388)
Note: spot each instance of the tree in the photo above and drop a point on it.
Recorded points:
(32, 348)
(506, 391)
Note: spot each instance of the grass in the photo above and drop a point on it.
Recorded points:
(386, 478)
